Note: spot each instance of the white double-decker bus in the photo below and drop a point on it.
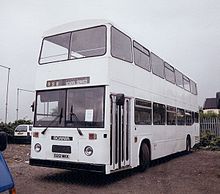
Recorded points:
(105, 103)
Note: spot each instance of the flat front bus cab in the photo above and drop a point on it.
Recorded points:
(6, 180)
(105, 103)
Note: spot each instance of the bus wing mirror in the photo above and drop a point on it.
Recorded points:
(120, 99)
(3, 141)
(32, 107)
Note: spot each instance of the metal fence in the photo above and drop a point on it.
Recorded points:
(211, 124)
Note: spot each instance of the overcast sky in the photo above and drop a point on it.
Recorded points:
(185, 33)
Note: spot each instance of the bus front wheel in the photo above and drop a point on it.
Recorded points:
(144, 157)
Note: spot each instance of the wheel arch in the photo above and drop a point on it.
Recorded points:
(146, 141)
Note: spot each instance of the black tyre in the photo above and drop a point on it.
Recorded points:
(188, 145)
(3, 141)
(144, 157)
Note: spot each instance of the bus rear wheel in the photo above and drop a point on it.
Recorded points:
(188, 145)
(144, 157)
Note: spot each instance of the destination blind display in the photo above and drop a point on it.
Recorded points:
(68, 82)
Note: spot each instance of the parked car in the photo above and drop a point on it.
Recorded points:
(22, 134)
(6, 180)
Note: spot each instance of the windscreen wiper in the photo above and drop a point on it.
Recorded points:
(76, 118)
(60, 116)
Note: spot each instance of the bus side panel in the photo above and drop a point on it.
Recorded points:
(100, 148)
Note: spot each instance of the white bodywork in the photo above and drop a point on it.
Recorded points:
(118, 77)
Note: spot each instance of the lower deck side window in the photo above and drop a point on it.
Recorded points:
(159, 114)
(147, 113)
(171, 115)
(188, 116)
(143, 113)
(180, 116)
(196, 117)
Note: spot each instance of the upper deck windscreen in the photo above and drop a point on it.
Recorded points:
(74, 45)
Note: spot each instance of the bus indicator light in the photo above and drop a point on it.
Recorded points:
(35, 134)
(92, 136)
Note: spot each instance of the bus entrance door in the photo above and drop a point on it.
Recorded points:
(120, 134)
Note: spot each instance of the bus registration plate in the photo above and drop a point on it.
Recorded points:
(66, 156)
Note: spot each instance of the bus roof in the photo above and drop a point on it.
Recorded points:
(75, 26)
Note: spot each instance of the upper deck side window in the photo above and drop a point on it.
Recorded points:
(186, 83)
(83, 43)
(121, 46)
(169, 73)
(157, 65)
(193, 87)
(141, 56)
(179, 78)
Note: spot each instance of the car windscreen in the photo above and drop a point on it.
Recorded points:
(21, 129)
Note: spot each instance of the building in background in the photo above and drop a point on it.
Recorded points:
(212, 105)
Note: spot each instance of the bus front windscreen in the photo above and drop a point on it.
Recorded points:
(73, 108)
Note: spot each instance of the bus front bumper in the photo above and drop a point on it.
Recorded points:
(68, 165)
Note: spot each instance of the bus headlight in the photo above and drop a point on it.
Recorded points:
(37, 147)
(88, 150)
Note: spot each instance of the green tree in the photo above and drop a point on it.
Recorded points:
(209, 115)
(10, 127)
